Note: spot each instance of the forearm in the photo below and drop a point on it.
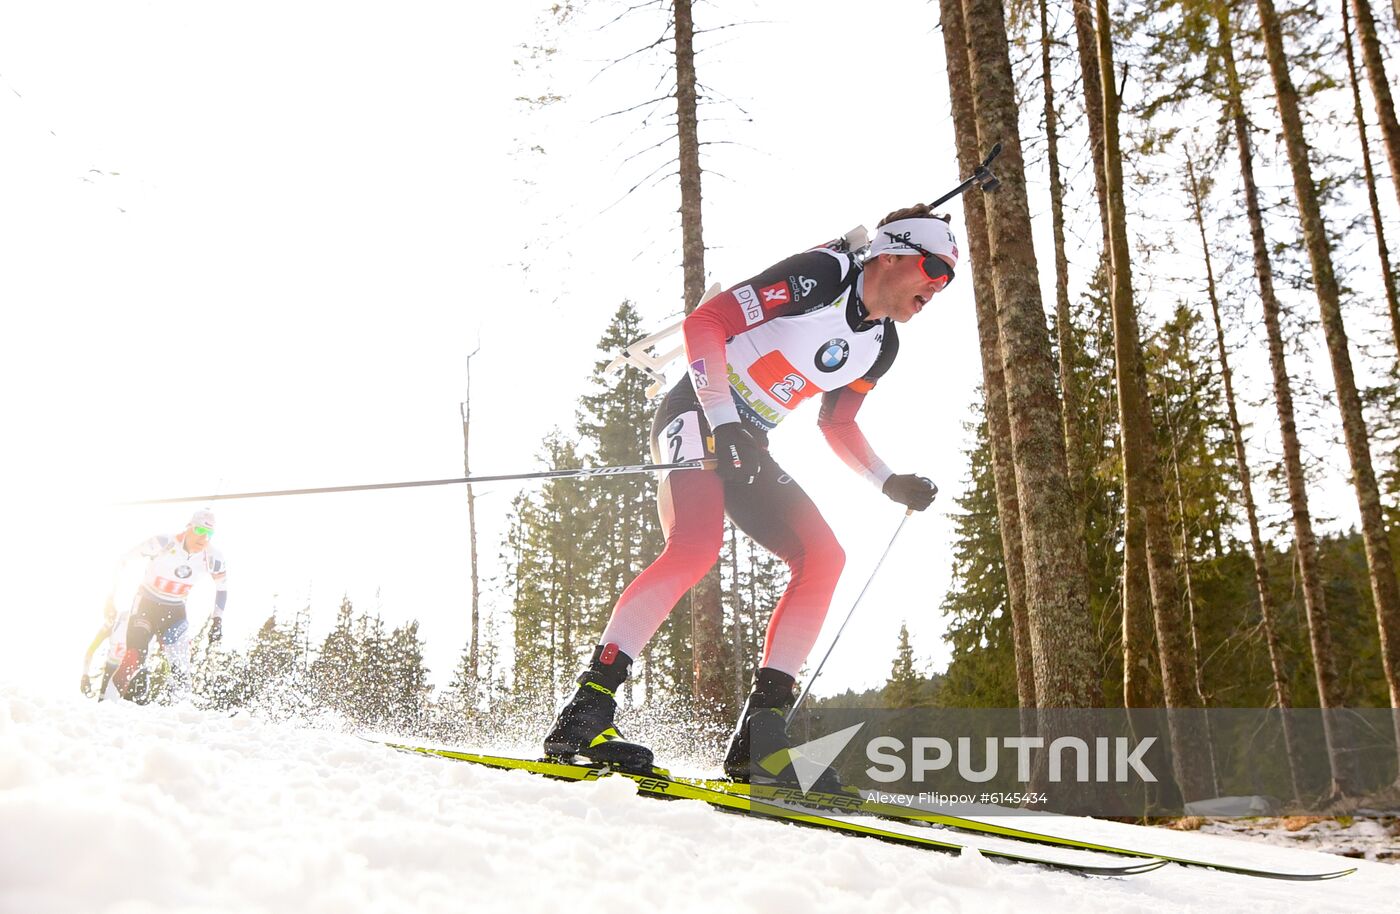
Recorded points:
(837, 422)
(850, 445)
(705, 331)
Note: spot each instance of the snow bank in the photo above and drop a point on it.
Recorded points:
(109, 808)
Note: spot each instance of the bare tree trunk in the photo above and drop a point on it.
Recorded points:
(1387, 277)
(736, 602)
(1380, 88)
(993, 376)
(474, 653)
(1137, 625)
(687, 127)
(1064, 327)
(1057, 603)
(1136, 600)
(1384, 587)
(1305, 542)
(1137, 634)
(706, 607)
(568, 653)
(1087, 44)
(1186, 560)
(1267, 611)
(1143, 493)
(707, 639)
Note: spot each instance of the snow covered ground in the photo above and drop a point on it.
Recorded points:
(121, 809)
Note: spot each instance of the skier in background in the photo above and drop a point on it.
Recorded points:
(143, 687)
(818, 324)
(105, 631)
(158, 610)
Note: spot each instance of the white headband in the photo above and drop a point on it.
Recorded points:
(932, 234)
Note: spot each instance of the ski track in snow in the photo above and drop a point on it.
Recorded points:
(120, 809)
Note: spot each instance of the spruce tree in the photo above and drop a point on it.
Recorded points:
(982, 672)
(334, 670)
(903, 688)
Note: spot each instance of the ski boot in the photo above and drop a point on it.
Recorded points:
(760, 751)
(585, 725)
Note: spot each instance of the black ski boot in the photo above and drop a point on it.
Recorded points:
(759, 750)
(585, 725)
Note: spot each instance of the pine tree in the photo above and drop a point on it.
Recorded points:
(335, 668)
(1385, 588)
(1374, 56)
(902, 689)
(466, 690)
(406, 688)
(533, 647)
(370, 686)
(219, 674)
(989, 339)
(982, 672)
(614, 423)
(273, 666)
(1268, 611)
(1057, 603)
(1144, 495)
(1305, 541)
(1392, 295)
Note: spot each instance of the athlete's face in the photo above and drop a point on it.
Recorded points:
(195, 540)
(898, 288)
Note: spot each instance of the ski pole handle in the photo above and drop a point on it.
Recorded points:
(981, 175)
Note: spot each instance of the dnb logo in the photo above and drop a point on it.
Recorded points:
(832, 355)
(183, 572)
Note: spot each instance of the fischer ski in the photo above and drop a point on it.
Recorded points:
(856, 804)
(659, 784)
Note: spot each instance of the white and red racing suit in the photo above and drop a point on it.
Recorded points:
(756, 352)
(158, 609)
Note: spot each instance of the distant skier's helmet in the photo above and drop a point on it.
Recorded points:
(921, 236)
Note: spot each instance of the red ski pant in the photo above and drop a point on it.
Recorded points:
(778, 515)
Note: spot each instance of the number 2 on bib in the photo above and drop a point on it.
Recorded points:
(784, 390)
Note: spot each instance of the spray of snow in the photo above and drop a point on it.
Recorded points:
(122, 809)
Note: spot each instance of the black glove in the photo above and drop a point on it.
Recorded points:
(738, 454)
(86, 685)
(216, 630)
(909, 490)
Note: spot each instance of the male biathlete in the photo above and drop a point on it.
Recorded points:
(818, 323)
(158, 610)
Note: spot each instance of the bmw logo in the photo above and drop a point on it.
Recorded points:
(183, 572)
(833, 355)
(674, 428)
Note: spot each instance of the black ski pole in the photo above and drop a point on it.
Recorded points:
(981, 176)
(585, 472)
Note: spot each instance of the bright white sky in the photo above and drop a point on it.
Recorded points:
(250, 247)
